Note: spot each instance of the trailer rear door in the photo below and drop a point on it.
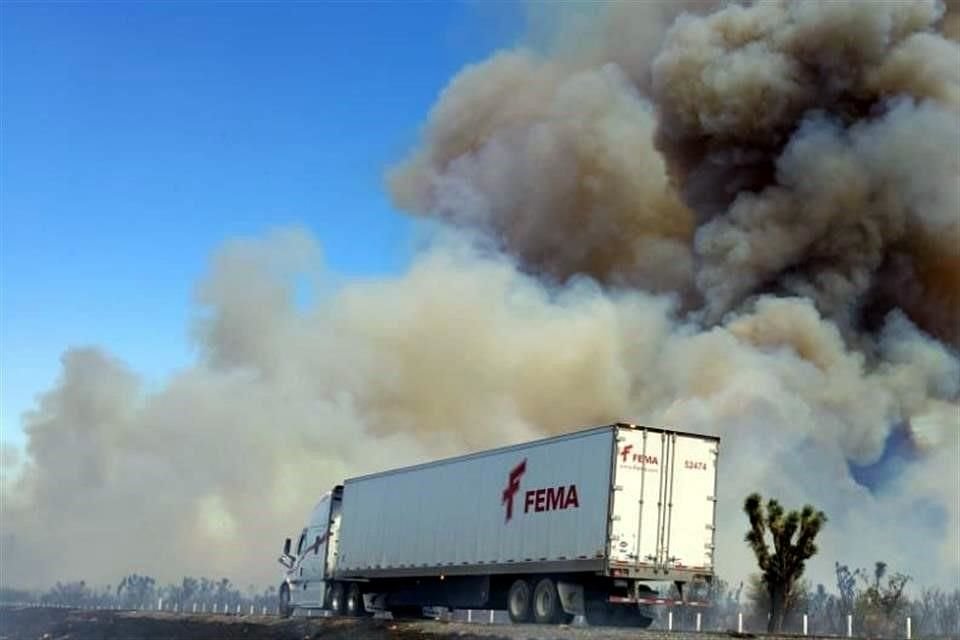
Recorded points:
(664, 495)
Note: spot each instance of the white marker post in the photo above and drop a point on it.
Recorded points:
(698, 621)
(670, 620)
(469, 615)
(740, 622)
(804, 624)
(849, 625)
(909, 629)
(491, 616)
(160, 604)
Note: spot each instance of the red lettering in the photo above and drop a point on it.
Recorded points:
(513, 485)
(554, 498)
(572, 501)
(528, 501)
(551, 499)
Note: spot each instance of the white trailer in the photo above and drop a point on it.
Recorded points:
(569, 525)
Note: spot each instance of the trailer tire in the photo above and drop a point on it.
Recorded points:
(546, 602)
(354, 602)
(520, 601)
(283, 604)
(336, 598)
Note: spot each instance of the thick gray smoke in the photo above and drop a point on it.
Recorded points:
(741, 220)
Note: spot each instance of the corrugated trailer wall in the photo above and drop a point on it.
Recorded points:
(543, 502)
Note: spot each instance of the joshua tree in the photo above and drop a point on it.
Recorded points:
(781, 568)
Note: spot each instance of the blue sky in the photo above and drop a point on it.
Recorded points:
(137, 137)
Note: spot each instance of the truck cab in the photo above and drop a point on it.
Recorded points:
(308, 565)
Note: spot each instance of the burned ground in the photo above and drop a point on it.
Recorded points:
(72, 624)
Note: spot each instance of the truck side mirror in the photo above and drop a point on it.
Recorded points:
(286, 547)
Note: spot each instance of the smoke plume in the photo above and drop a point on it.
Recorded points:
(741, 220)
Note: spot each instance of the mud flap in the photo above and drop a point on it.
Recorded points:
(571, 598)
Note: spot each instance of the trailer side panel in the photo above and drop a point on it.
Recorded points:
(541, 506)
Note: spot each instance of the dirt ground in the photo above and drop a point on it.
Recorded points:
(63, 624)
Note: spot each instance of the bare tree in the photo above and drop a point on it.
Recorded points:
(936, 612)
(781, 568)
(880, 606)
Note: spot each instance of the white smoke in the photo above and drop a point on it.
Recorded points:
(741, 221)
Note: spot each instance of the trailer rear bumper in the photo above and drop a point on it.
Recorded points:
(657, 574)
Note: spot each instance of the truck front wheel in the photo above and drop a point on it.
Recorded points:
(283, 601)
(520, 601)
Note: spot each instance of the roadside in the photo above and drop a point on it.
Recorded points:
(61, 624)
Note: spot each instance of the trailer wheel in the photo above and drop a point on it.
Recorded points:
(354, 602)
(284, 601)
(546, 602)
(520, 601)
(336, 598)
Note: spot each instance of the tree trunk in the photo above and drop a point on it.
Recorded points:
(778, 605)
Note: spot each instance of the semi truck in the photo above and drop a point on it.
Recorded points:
(580, 524)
